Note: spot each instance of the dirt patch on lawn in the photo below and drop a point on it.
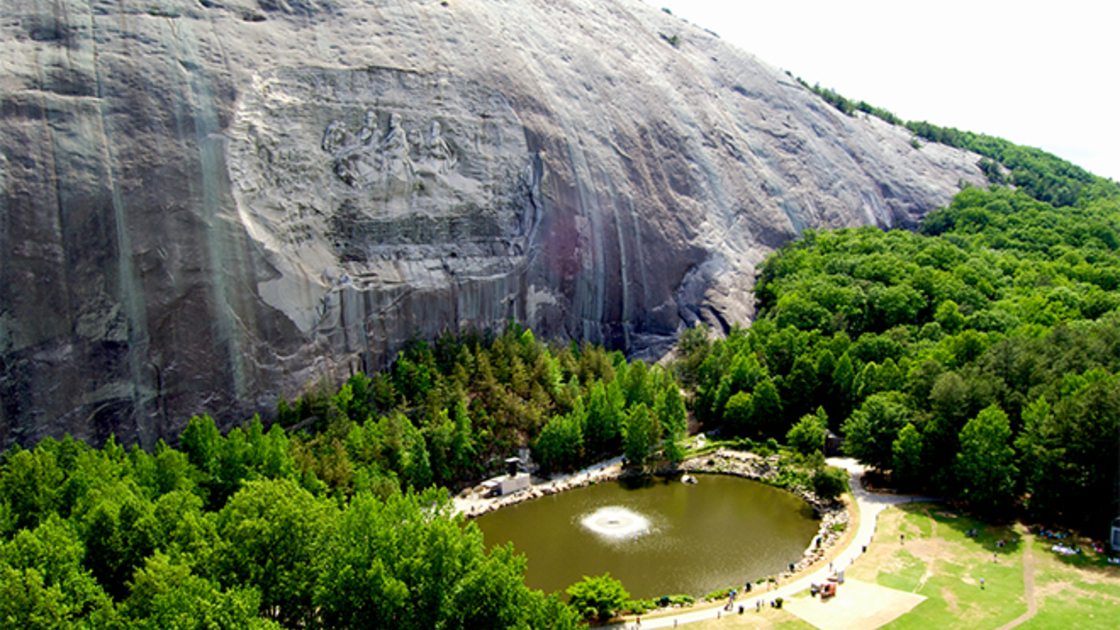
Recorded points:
(951, 601)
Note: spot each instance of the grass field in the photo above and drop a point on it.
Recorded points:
(940, 561)
(937, 559)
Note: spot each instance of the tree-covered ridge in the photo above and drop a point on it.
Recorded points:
(849, 107)
(990, 342)
(1003, 259)
(1043, 176)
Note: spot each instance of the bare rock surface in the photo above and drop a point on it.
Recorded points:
(205, 204)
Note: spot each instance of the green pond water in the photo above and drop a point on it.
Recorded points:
(659, 536)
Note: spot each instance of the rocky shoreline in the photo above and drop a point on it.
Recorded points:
(834, 515)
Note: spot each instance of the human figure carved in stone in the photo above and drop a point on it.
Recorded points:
(357, 157)
(369, 130)
(394, 139)
(392, 162)
(338, 141)
(439, 149)
(364, 157)
(415, 145)
(336, 137)
(398, 168)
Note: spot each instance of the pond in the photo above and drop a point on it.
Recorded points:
(657, 535)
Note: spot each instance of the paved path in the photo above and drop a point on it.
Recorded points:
(869, 505)
(1028, 586)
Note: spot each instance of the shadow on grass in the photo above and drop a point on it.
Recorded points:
(1088, 559)
(988, 535)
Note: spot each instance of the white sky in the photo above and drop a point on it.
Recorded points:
(1038, 74)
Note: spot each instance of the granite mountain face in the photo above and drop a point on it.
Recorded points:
(205, 204)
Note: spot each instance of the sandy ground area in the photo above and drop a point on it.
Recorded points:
(856, 606)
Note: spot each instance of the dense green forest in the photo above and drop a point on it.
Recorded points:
(330, 518)
(114, 539)
(979, 358)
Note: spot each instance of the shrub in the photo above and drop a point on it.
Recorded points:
(677, 600)
(829, 483)
(601, 595)
(720, 594)
(640, 606)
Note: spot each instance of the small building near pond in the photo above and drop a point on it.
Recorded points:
(507, 484)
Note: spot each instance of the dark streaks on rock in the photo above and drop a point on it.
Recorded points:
(178, 235)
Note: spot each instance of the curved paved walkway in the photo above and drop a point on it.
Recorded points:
(869, 505)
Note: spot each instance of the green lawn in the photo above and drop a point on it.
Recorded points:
(940, 561)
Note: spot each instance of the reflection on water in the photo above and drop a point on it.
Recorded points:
(659, 536)
(649, 481)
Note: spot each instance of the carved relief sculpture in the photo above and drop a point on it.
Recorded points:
(385, 183)
(388, 164)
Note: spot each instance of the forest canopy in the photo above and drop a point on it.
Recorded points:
(978, 358)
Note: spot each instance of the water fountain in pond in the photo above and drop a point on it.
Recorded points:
(664, 537)
(616, 523)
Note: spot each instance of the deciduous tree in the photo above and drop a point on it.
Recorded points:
(985, 465)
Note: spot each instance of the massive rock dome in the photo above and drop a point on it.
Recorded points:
(205, 204)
